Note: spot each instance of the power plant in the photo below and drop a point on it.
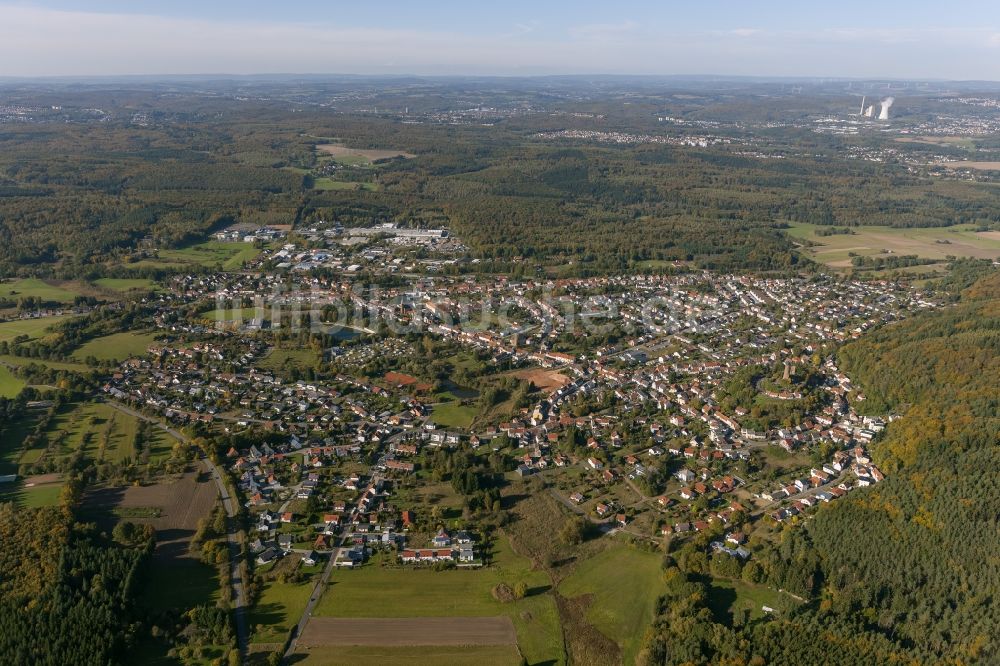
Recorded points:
(869, 111)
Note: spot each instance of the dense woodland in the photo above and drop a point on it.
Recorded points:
(66, 592)
(83, 196)
(905, 572)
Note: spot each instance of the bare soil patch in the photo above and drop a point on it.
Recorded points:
(543, 378)
(323, 631)
(178, 504)
(399, 379)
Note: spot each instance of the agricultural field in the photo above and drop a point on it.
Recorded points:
(33, 328)
(927, 243)
(391, 591)
(970, 164)
(342, 153)
(943, 141)
(443, 655)
(116, 347)
(339, 631)
(620, 587)
(173, 505)
(33, 287)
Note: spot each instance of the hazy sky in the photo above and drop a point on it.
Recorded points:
(874, 38)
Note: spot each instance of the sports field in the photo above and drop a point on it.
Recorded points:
(928, 243)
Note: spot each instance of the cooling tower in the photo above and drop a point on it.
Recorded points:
(886, 104)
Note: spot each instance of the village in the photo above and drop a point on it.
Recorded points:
(664, 405)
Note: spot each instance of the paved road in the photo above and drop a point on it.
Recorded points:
(238, 597)
(314, 598)
(324, 579)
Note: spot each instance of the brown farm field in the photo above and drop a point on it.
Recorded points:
(327, 631)
(388, 655)
(173, 506)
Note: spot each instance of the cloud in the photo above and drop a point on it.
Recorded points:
(40, 42)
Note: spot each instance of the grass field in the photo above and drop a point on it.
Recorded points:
(376, 591)
(624, 583)
(12, 437)
(277, 611)
(725, 597)
(233, 314)
(33, 492)
(125, 284)
(928, 243)
(33, 328)
(445, 655)
(10, 385)
(281, 360)
(453, 415)
(210, 254)
(347, 155)
(9, 359)
(115, 347)
(36, 288)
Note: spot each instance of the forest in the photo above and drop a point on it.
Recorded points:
(66, 593)
(78, 199)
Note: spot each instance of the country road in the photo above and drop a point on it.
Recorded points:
(314, 598)
(238, 596)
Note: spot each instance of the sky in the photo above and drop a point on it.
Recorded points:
(913, 39)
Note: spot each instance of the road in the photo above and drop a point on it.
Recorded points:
(314, 598)
(238, 598)
(325, 578)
